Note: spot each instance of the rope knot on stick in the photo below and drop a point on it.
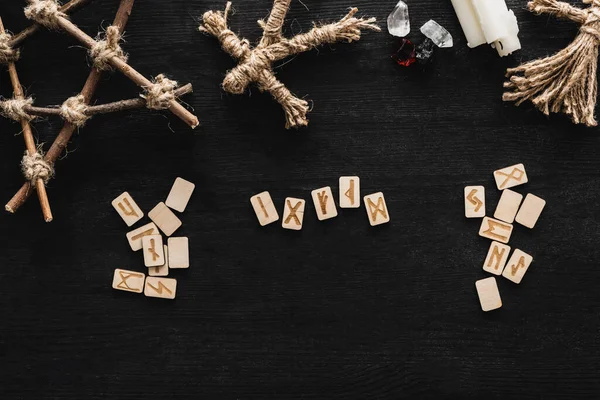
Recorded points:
(591, 26)
(34, 167)
(7, 53)
(45, 12)
(105, 49)
(74, 109)
(15, 109)
(255, 65)
(565, 82)
(161, 93)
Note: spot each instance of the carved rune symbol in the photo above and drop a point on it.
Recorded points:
(293, 211)
(516, 174)
(520, 264)
(492, 225)
(474, 200)
(374, 209)
(124, 277)
(350, 192)
(130, 211)
(496, 255)
(142, 234)
(322, 196)
(160, 288)
(152, 250)
(262, 207)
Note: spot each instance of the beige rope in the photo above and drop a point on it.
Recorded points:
(256, 64)
(104, 50)
(73, 110)
(161, 93)
(565, 82)
(7, 53)
(44, 12)
(15, 109)
(34, 167)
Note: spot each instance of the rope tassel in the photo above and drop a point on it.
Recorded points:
(565, 82)
(256, 64)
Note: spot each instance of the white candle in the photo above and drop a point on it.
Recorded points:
(509, 43)
(488, 21)
(469, 21)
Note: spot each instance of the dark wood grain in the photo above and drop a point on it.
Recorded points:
(340, 309)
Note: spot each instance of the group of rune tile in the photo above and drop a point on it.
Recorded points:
(159, 258)
(325, 207)
(511, 208)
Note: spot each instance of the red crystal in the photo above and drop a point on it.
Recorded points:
(406, 54)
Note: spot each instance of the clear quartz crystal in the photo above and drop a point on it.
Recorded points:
(397, 22)
(437, 33)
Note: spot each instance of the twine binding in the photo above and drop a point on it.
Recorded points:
(74, 109)
(15, 109)
(565, 82)
(44, 12)
(256, 64)
(7, 53)
(34, 167)
(107, 48)
(161, 93)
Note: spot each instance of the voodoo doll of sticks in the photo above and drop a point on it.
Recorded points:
(565, 82)
(256, 64)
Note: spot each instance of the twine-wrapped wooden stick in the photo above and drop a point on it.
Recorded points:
(158, 92)
(67, 8)
(36, 170)
(9, 44)
(62, 140)
(565, 82)
(256, 64)
(78, 113)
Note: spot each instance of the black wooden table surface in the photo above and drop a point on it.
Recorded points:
(339, 309)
